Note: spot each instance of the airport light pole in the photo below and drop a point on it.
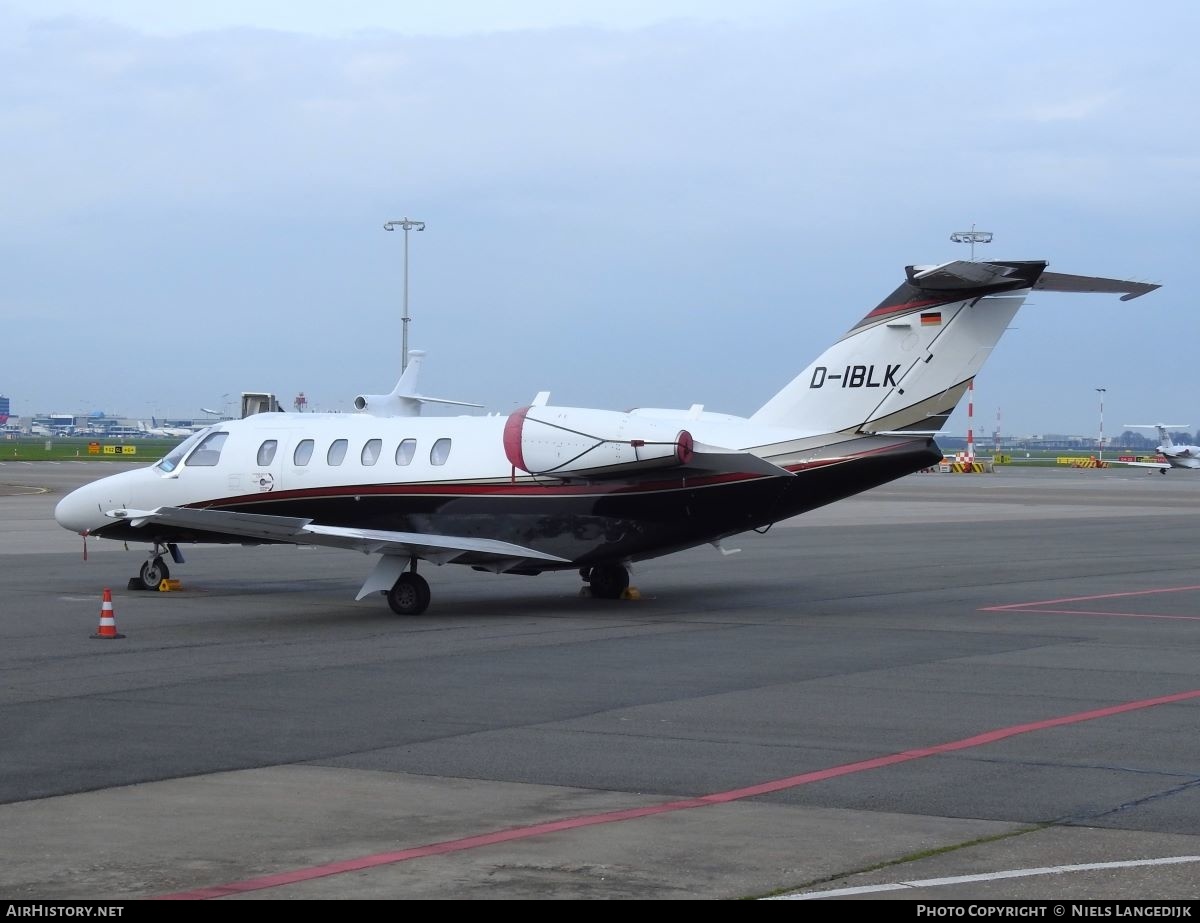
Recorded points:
(406, 224)
(972, 237)
(1101, 392)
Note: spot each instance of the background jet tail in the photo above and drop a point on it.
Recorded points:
(908, 363)
(1163, 429)
(404, 400)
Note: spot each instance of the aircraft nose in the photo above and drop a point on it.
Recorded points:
(83, 509)
(78, 511)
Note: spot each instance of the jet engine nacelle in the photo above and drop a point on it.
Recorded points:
(577, 442)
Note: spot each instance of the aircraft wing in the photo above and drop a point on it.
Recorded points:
(441, 549)
(1159, 465)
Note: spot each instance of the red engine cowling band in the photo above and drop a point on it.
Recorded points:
(579, 442)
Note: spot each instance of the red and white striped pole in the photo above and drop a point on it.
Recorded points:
(970, 421)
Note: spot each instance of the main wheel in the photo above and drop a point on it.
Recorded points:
(609, 581)
(409, 595)
(153, 573)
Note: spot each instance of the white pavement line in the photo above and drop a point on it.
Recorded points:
(993, 876)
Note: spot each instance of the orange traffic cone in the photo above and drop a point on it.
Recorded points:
(108, 624)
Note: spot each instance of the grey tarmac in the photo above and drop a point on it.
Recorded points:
(957, 686)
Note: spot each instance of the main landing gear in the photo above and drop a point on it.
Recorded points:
(410, 594)
(606, 581)
(154, 571)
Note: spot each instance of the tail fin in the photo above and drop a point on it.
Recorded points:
(1164, 434)
(907, 364)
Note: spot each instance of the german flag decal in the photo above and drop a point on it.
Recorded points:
(931, 318)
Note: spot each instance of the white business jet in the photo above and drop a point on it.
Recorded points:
(1176, 455)
(551, 488)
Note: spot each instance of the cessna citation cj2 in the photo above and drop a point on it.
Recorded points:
(551, 488)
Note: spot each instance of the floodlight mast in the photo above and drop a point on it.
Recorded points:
(972, 237)
(406, 224)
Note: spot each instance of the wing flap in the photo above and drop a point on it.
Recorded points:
(440, 548)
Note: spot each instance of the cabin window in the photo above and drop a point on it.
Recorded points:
(266, 452)
(370, 452)
(440, 452)
(405, 452)
(337, 452)
(303, 454)
(208, 452)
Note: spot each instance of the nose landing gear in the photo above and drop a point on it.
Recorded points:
(606, 581)
(154, 571)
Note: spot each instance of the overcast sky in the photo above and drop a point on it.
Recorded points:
(652, 203)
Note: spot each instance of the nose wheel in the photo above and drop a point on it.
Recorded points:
(153, 572)
(607, 581)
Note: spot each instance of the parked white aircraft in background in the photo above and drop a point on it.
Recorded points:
(163, 431)
(551, 488)
(1177, 456)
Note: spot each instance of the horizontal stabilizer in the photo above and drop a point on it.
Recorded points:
(1061, 282)
(960, 274)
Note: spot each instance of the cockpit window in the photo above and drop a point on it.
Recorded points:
(266, 452)
(171, 460)
(208, 452)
